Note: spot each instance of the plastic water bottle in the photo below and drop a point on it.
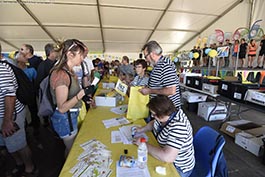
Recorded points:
(142, 154)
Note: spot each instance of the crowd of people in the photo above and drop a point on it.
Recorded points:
(250, 55)
(71, 72)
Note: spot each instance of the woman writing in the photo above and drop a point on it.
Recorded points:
(66, 91)
(173, 132)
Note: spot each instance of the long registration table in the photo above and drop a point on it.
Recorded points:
(93, 127)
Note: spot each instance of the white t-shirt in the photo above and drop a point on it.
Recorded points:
(88, 67)
(89, 64)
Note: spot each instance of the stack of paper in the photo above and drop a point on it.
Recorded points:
(115, 122)
(95, 160)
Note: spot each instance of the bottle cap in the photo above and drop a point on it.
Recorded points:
(142, 140)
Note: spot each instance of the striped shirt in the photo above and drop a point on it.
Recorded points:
(164, 74)
(177, 134)
(8, 87)
(138, 81)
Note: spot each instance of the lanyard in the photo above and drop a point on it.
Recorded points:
(160, 127)
(139, 80)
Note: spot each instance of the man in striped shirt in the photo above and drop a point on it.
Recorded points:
(163, 79)
(12, 120)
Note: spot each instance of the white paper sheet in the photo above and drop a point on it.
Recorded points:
(126, 134)
(131, 172)
(120, 109)
(116, 137)
(115, 122)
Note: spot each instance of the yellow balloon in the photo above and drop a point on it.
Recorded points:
(196, 55)
(212, 53)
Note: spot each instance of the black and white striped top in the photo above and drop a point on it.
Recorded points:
(177, 133)
(8, 87)
(164, 74)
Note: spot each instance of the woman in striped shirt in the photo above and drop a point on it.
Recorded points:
(173, 132)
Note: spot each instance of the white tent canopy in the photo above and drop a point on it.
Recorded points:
(122, 26)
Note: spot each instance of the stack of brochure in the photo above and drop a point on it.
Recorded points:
(95, 160)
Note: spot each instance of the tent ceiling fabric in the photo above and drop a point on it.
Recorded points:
(126, 24)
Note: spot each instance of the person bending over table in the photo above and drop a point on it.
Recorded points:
(173, 133)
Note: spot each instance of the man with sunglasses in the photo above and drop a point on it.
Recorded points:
(28, 51)
(163, 78)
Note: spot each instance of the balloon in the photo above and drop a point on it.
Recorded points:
(196, 55)
(212, 53)
(207, 51)
(176, 59)
(190, 55)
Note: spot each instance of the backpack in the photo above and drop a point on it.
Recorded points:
(25, 92)
(46, 105)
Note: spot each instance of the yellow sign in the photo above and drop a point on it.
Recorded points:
(121, 88)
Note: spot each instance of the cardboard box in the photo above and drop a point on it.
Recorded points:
(210, 88)
(105, 101)
(256, 96)
(192, 107)
(225, 88)
(190, 81)
(250, 142)
(232, 127)
(101, 98)
(108, 85)
(239, 90)
(192, 97)
(198, 81)
(205, 108)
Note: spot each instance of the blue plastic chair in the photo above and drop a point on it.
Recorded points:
(208, 145)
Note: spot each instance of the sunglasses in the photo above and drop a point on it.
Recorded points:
(75, 44)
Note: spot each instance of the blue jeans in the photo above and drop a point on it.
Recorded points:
(61, 124)
(187, 174)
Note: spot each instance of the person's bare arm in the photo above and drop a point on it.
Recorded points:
(162, 91)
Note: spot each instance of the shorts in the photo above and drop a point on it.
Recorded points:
(251, 55)
(234, 54)
(18, 140)
(242, 55)
(61, 124)
(262, 52)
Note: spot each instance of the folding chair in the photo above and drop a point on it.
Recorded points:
(208, 145)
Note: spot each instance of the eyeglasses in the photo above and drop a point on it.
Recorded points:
(145, 56)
